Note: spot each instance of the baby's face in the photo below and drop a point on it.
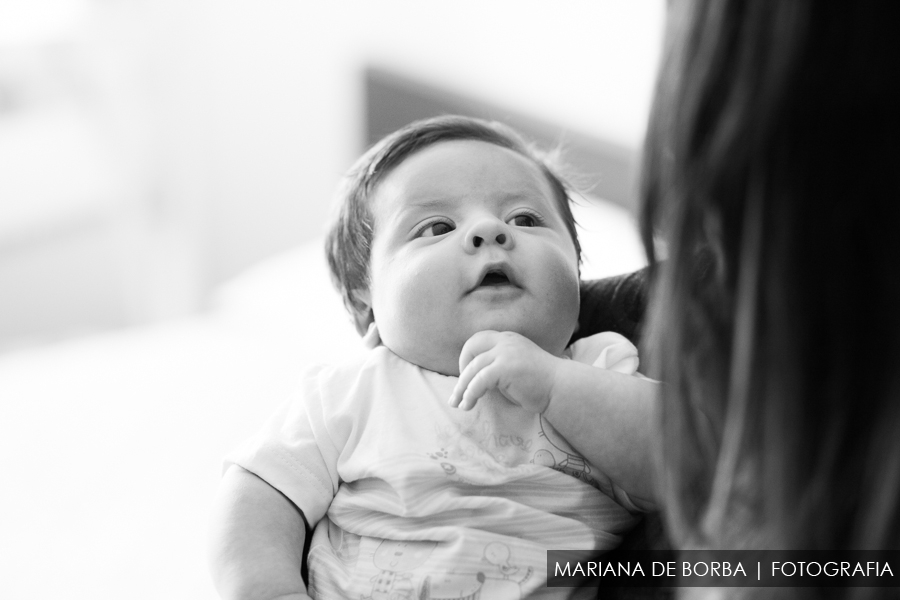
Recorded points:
(468, 237)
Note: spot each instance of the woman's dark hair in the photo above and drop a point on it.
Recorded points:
(771, 179)
(349, 239)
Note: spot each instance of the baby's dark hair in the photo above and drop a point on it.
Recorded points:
(349, 241)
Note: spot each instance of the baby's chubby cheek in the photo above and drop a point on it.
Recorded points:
(424, 315)
(417, 313)
(561, 302)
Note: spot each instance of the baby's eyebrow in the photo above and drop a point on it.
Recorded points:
(415, 207)
(444, 202)
(434, 203)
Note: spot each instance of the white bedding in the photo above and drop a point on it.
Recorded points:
(112, 444)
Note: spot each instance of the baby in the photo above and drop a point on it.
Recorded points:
(428, 467)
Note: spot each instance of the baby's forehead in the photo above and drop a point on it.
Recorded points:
(450, 172)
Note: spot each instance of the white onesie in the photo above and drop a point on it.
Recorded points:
(412, 499)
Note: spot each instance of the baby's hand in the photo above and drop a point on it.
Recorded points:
(509, 362)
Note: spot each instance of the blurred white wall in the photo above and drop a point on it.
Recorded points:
(224, 126)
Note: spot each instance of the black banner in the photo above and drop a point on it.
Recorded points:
(726, 568)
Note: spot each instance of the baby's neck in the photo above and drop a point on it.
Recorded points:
(442, 360)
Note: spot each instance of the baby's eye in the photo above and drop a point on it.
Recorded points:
(524, 221)
(437, 228)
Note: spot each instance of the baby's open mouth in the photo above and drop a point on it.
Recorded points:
(493, 278)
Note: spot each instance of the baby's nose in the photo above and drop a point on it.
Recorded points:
(500, 238)
(487, 232)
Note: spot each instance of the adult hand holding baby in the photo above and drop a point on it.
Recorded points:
(509, 362)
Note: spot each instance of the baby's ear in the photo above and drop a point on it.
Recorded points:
(363, 316)
(362, 296)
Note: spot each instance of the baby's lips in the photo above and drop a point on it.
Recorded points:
(496, 267)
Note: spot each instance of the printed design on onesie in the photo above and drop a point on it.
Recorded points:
(562, 458)
(504, 583)
(509, 583)
(442, 456)
(397, 561)
(464, 457)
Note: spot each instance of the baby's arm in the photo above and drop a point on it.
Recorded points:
(256, 541)
(607, 416)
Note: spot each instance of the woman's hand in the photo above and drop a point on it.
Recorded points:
(510, 363)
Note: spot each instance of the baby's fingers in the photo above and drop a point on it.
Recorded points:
(476, 345)
(464, 395)
(485, 380)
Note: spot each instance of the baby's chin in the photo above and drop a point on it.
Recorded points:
(442, 356)
(553, 338)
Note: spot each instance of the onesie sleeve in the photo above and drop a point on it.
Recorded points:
(607, 350)
(293, 452)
